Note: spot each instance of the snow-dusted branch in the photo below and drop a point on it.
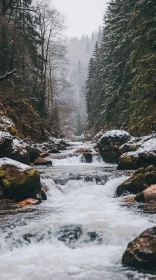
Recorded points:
(7, 75)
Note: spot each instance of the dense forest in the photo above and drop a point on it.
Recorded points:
(32, 52)
(121, 81)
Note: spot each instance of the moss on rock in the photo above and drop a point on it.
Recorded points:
(141, 180)
(133, 185)
(17, 183)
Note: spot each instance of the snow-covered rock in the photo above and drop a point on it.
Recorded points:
(116, 134)
(141, 180)
(110, 142)
(19, 151)
(18, 181)
(7, 161)
(135, 143)
(143, 156)
(14, 148)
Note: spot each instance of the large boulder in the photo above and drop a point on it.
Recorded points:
(142, 179)
(142, 157)
(14, 148)
(18, 181)
(141, 252)
(109, 144)
(133, 185)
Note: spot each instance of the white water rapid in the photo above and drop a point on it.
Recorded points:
(81, 231)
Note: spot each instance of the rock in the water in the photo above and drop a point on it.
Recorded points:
(88, 157)
(142, 179)
(148, 195)
(133, 185)
(93, 236)
(141, 252)
(18, 181)
(28, 201)
(42, 161)
(109, 145)
(70, 234)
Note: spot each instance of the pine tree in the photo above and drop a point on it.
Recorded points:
(121, 86)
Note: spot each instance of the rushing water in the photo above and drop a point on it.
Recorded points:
(82, 230)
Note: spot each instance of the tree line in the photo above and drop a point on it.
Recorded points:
(121, 81)
(32, 52)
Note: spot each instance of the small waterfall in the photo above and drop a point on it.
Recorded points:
(96, 159)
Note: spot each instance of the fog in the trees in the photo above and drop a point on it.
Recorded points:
(73, 113)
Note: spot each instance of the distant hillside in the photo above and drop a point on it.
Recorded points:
(79, 53)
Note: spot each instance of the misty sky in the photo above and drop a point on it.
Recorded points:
(82, 16)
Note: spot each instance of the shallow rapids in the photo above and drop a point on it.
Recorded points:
(82, 230)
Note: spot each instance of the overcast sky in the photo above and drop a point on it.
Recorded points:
(82, 16)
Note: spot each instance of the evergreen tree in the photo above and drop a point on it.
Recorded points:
(120, 86)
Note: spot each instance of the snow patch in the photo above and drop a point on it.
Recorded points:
(116, 133)
(8, 161)
(147, 146)
(5, 123)
(5, 135)
(19, 146)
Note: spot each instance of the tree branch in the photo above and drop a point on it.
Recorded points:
(7, 75)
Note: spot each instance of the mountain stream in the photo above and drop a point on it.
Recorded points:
(80, 232)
